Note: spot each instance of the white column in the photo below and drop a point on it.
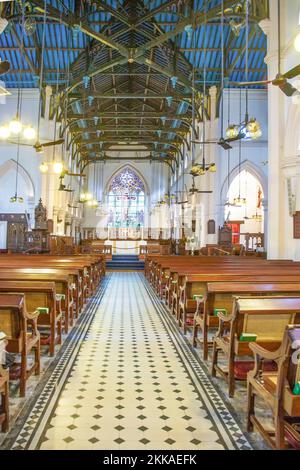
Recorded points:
(276, 126)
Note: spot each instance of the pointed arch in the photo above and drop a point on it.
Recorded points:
(126, 194)
(120, 170)
(251, 168)
(11, 164)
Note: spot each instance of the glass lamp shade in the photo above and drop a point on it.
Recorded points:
(92, 203)
(29, 133)
(58, 168)
(254, 129)
(44, 167)
(15, 126)
(232, 131)
(86, 197)
(4, 132)
(297, 43)
(195, 170)
(257, 134)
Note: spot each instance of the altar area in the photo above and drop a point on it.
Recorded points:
(125, 247)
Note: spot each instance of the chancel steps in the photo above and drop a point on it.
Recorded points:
(126, 262)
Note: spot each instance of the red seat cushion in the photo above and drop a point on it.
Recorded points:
(45, 339)
(241, 368)
(15, 372)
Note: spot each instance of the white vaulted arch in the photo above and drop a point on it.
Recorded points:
(251, 168)
(11, 165)
(26, 188)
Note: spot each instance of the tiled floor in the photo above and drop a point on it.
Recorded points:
(129, 380)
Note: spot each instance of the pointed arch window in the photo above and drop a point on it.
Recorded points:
(126, 200)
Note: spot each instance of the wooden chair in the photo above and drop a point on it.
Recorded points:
(4, 392)
(265, 317)
(276, 390)
(22, 334)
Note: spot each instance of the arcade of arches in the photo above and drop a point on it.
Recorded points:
(149, 225)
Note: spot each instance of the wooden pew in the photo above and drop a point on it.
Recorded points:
(22, 334)
(63, 285)
(91, 267)
(4, 391)
(191, 285)
(276, 390)
(40, 295)
(220, 295)
(79, 279)
(266, 317)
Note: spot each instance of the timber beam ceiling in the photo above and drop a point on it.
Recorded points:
(128, 69)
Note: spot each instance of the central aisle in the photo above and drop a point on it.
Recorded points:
(134, 384)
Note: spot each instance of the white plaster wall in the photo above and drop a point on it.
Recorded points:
(254, 158)
(29, 160)
(284, 129)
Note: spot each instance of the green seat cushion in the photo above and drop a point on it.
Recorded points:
(44, 310)
(248, 337)
(220, 310)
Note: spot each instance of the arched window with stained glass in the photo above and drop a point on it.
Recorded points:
(126, 200)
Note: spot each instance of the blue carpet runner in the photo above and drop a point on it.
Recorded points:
(128, 262)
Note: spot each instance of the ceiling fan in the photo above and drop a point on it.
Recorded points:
(68, 173)
(224, 143)
(194, 190)
(38, 146)
(230, 204)
(181, 203)
(281, 79)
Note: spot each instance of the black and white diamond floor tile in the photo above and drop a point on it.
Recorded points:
(130, 382)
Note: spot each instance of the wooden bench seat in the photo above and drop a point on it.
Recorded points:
(78, 278)
(220, 296)
(40, 295)
(22, 334)
(191, 285)
(63, 286)
(277, 391)
(265, 317)
(4, 391)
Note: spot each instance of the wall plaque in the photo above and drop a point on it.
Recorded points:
(297, 224)
(211, 227)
